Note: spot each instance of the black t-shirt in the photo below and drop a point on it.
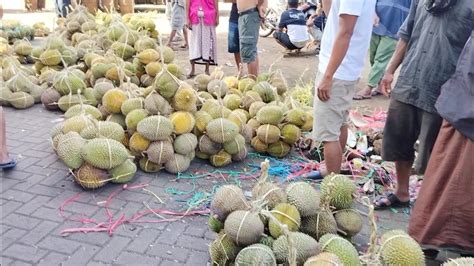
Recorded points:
(234, 14)
(292, 17)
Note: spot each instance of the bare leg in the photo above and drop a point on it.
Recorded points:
(253, 68)
(207, 69)
(333, 156)
(238, 61)
(192, 73)
(185, 37)
(343, 137)
(403, 169)
(172, 34)
(4, 158)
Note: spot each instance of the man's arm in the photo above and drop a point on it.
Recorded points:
(326, 6)
(339, 50)
(188, 18)
(262, 7)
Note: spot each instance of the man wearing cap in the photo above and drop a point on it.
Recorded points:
(251, 13)
(294, 22)
(344, 46)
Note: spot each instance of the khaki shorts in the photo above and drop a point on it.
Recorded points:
(331, 115)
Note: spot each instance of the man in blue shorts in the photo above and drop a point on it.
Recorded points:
(233, 39)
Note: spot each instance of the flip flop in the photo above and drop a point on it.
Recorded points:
(190, 76)
(359, 97)
(375, 93)
(394, 202)
(8, 166)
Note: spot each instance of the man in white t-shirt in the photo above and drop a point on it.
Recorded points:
(344, 46)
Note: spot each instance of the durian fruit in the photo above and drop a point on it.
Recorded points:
(21, 100)
(285, 214)
(138, 144)
(22, 47)
(214, 224)
(160, 151)
(398, 248)
(133, 118)
(268, 192)
(270, 114)
(177, 164)
(349, 221)
(255, 255)
(155, 104)
(227, 199)
(278, 81)
(202, 119)
(279, 149)
(231, 82)
(255, 107)
(296, 116)
(104, 153)
(90, 177)
(168, 54)
(342, 248)
(103, 129)
(132, 104)
(235, 146)
(67, 101)
(117, 118)
(245, 84)
(266, 91)
(323, 259)
(201, 81)
(166, 84)
(462, 261)
(207, 146)
(258, 145)
(232, 101)
(5, 95)
(267, 241)
(50, 57)
(223, 250)
(221, 130)
(249, 98)
(268, 133)
(185, 99)
(183, 122)
(220, 159)
(238, 117)
(69, 149)
(148, 55)
(217, 88)
(185, 144)
(175, 70)
(290, 134)
(155, 128)
(148, 166)
(153, 68)
(244, 227)
(77, 123)
(319, 224)
(113, 100)
(304, 246)
(337, 191)
(304, 197)
(123, 173)
(215, 109)
(69, 81)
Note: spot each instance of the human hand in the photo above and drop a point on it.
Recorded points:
(310, 22)
(323, 89)
(261, 12)
(386, 84)
(376, 20)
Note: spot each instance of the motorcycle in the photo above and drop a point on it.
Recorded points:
(274, 11)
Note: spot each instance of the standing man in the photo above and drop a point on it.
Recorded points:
(389, 17)
(233, 40)
(344, 46)
(431, 40)
(251, 13)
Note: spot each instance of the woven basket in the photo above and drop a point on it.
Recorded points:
(126, 6)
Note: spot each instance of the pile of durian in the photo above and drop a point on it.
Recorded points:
(297, 225)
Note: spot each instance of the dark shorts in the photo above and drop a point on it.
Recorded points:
(405, 125)
(233, 45)
(249, 26)
(284, 39)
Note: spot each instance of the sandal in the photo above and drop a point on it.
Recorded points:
(375, 92)
(430, 253)
(8, 166)
(393, 202)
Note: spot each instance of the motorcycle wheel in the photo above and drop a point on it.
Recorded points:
(266, 29)
(268, 26)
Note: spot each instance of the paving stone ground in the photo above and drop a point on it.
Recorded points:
(32, 193)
